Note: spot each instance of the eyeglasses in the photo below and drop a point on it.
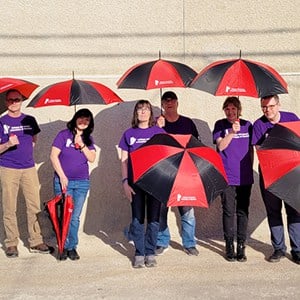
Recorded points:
(269, 106)
(14, 100)
(141, 109)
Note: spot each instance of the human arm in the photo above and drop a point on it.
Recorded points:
(90, 154)
(223, 142)
(54, 157)
(124, 171)
(12, 141)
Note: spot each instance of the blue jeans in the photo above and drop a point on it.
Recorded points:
(188, 224)
(144, 240)
(78, 190)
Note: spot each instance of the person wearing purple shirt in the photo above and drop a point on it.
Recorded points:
(71, 151)
(233, 139)
(271, 115)
(143, 128)
(18, 134)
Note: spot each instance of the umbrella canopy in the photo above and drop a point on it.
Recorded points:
(179, 170)
(239, 77)
(279, 159)
(73, 92)
(23, 86)
(157, 74)
(60, 209)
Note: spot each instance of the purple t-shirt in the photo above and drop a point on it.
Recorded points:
(73, 162)
(24, 127)
(262, 126)
(237, 157)
(133, 138)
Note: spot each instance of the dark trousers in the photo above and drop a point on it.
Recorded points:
(236, 200)
(273, 206)
(144, 240)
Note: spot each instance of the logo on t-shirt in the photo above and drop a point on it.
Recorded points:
(69, 143)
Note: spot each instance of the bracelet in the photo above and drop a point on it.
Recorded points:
(124, 180)
(82, 147)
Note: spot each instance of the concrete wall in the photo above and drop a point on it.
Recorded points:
(45, 41)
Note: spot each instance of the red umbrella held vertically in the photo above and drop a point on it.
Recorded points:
(279, 160)
(60, 209)
(179, 170)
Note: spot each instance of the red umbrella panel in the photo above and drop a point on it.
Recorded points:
(240, 77)
(178, 170)
(73, 92)
(279, 159)
(157, 74)
(60, 209)
(23, 86)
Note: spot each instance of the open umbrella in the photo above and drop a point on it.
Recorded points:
(239, 77)
(279, 159)
(23, 86)
(157, 74)
(73, 92)
(60, 210)
(179, 170)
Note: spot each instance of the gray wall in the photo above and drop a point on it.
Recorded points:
(44, 41)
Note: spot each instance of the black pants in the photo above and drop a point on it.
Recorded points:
(236, 199)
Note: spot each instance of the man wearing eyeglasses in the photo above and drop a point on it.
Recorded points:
(18, 134)
(271, 115)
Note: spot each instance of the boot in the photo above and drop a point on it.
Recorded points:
(241, 251)
(229, 250)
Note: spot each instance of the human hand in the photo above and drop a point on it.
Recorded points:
(64, 183)
(128, 191)
(13, 140)
(160, 122)
(236, 127)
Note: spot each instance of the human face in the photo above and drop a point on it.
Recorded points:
(14, 101)
(143, 113)
(270, 108)
(170, 105)
(82, 123)
(231, 113)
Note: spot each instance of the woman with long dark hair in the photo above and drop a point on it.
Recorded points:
(72, 149)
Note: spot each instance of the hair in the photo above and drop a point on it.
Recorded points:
(169, 95)
(135, 120)
(13, 91)
(235, 102)
(71, 125)
(276, 97)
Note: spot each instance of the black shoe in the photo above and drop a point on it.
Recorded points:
(12, 251)
(276, 256)
(240, 252)
(230, 255)
(64, 255)
(296, 257)
(73, 255)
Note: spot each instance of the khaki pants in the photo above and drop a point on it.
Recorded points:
(11, 180)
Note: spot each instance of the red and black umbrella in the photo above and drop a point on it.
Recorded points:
(73, 92)
(239, 77)
(60, 209)
(179, 170)
(157, 74)
(279, 159)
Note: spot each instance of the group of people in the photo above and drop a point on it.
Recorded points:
(73, 148)
(234, 138)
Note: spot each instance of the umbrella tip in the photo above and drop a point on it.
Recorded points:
(159, 54)
(72, 74)
(240, 53)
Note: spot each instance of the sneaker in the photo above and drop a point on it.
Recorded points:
(73, 255)
(296, 257)
(191, 251)
(139, 262)
(150, 261)
(276, 256)
(160, 250)
(40, 248)
(12, 251)
(64, 255)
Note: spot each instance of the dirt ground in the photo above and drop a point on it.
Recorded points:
(104, 272)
